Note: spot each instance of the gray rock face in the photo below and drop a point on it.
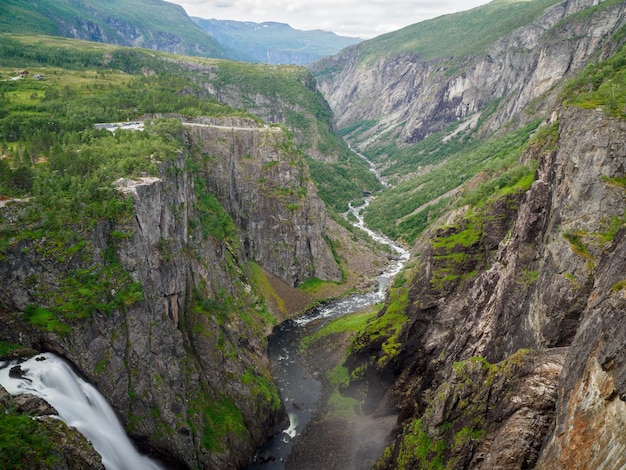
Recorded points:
(264, 184)
(592, 398)
(182, 359)
(419, 97)
(552, 282)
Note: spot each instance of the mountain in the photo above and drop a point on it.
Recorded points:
(158, 261)
(413, 99)
(155, 255)
(275, 43)
(500, 131)
(152, 24)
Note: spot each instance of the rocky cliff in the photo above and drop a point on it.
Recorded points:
(413, 96)
(511, 320)
(261, 179)
(173, 333)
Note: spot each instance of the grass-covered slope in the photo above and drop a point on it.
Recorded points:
(456, 36)
(86, 82)
(149, 23)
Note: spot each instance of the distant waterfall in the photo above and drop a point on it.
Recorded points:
(79, 405)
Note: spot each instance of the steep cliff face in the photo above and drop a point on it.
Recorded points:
(504, 299)
(414, 97)
(176, 338)
(263, 182)
(592, 399)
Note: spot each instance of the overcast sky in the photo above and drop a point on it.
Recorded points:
(356, 18)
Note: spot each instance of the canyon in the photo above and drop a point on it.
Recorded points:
(499, 345)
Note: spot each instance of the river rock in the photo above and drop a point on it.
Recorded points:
(33, 406)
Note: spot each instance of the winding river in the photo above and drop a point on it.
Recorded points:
(80, 405)
(299, 390)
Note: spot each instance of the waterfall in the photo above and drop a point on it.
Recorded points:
(79, 405)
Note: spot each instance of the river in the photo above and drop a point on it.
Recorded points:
(80, 405)
(299, 390)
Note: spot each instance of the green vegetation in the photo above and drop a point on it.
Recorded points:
(160, 23)
(348, 323)
(602, 84)
(417, 448)
(463, 34)
(8, 348)
(263, 388)
(342, 182)
(25, 443)
(575, 240)
(221, 418)
(384, 330)
(404, 211)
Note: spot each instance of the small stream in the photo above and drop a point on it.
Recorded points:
(299, 390)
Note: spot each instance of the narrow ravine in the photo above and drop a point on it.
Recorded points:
(299, 390)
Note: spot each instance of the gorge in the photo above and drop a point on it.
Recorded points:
(158, 262)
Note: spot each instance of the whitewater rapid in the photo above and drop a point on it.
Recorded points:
(299, 390)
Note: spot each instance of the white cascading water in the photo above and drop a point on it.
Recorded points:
(79, 405)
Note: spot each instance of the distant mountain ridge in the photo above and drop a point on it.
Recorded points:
(151, 24)
(275, 43)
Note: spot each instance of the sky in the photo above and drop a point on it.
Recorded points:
(356, 18)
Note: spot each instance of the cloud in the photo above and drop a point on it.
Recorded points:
(355, 18)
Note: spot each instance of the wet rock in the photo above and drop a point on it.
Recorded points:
(16, 372)
(33, 406)
(266, 456)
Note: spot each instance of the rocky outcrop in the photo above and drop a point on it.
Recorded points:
(540, 271)
(261, 179)
(414, 97)
(44, 440)
(592, 395)
(175, 335)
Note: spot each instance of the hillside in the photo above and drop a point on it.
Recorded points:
(502, 345)
(152, 24)
(275, 43)
(149, 254)
(423, 108)
(159, 260)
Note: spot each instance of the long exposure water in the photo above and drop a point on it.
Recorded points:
(299, 390)
(79, 405)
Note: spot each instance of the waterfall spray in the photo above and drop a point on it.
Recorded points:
(79, 405)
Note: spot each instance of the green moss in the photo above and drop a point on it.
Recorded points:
(471, 236)
(222, 418)
(466, 435)
(46, 320)
(619, 286)
(528, 277)
(24, 443)
(352, 323)
(385, 329)
(263, 388)
(418, 450)
(341, 405)
(7, 348)
(577, 244)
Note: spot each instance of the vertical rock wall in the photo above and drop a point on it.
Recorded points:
(263, 182)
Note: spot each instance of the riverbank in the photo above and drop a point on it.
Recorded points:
(339, 438)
